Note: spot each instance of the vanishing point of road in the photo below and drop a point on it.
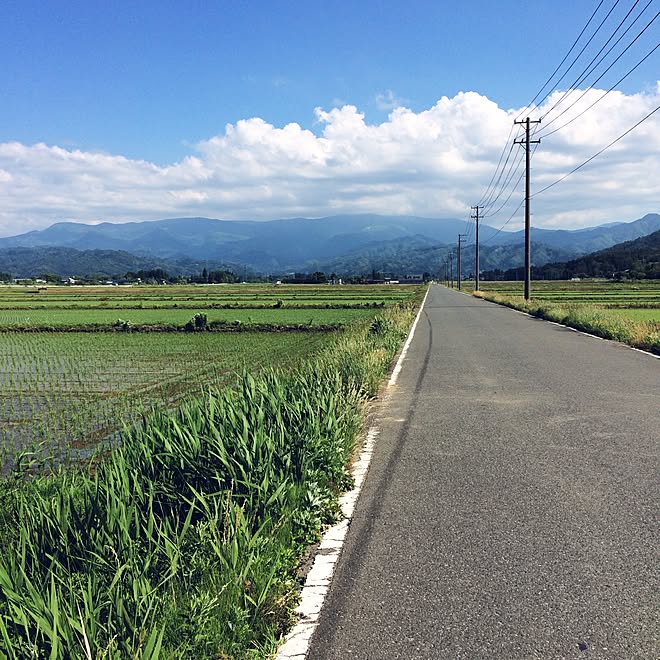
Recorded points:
(511, 503)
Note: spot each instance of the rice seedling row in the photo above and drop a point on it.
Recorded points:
(67, 392)
(280, 316)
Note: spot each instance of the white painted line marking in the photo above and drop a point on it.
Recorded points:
(399, 364)
(319, 578)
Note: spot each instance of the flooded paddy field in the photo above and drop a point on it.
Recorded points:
(65, 394)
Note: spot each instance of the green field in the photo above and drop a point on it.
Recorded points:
(65, 392)
(283, 305)
(181, 534)
(637, 314)
(165, 316)
(599, 292)
(248, 295)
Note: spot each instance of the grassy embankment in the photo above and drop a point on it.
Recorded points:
(184, 541)
(607, 323)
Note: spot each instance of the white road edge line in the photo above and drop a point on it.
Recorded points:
(317, 583)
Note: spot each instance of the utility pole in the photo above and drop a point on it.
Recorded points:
(476, 256)
(458, 275)
(451, 270)
(528, 240)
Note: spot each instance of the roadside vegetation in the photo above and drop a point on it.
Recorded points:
(184, 540)
(629, 313)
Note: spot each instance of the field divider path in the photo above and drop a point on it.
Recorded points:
(510, 502)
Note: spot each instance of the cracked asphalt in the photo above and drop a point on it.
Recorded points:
(510, 510)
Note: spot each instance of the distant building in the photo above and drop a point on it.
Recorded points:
(415, 278)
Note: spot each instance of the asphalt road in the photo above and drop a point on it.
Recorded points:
(510, 509)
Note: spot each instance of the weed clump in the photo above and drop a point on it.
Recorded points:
(198, 322)
(122, 325)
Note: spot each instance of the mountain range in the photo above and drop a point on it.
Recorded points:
(637, 259)
(346, 244)
(70, 262)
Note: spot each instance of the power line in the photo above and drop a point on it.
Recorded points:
(588, 68)
(569, 92)
(597, 154)
(499, 170)
(616, 43)
(570, 50)
(493, 197)
(580, 54)
(515, 168)
(598, 100)
(507, 167)
(522, 201)
(490, 238)
(493, 192)
(469, 226)
(513, 189)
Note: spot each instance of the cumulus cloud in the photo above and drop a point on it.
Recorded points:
(436, 162)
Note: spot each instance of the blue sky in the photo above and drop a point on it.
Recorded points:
(152, 81)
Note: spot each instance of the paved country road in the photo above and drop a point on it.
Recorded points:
(511, 504)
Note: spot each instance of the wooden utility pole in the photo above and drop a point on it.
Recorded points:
(476, 256)
(458, 275)
(528, 240)
(458, 264)
(451, 270)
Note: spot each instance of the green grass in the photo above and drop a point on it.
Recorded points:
(637, 314)
(184, 541)
(66, 393)
(177, 535)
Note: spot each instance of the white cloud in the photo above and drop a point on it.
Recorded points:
(436, 162)
(388, 100)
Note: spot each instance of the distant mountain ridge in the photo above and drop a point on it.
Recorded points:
(584, 241)
(69, 262)
(276, 244)
(636, 259)
(343, 243)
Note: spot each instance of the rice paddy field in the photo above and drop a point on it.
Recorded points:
(636, 300)
(67, 390)
(54, 317)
